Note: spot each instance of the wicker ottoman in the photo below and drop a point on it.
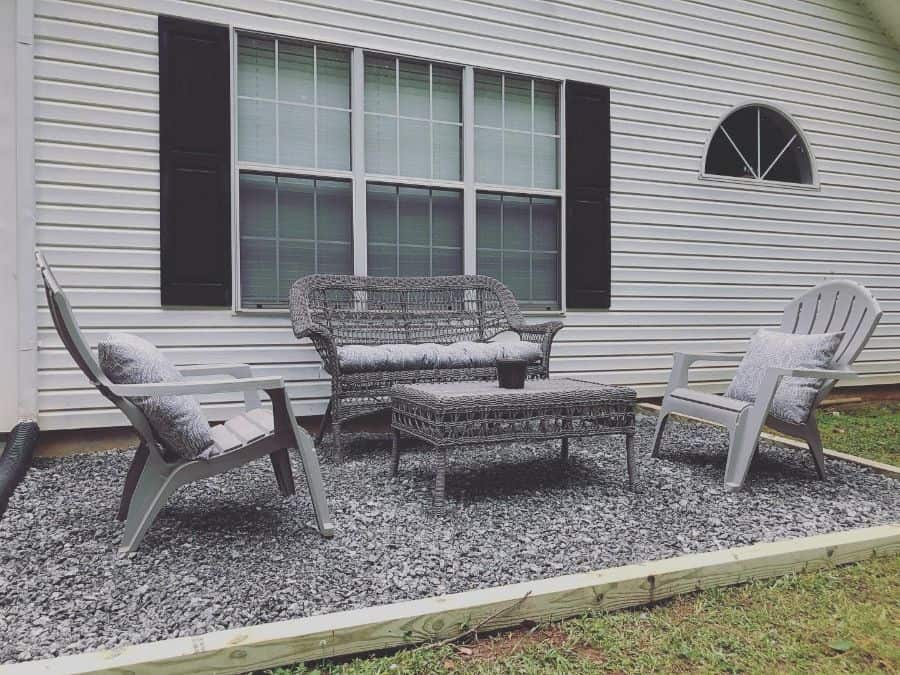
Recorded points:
(463, 413)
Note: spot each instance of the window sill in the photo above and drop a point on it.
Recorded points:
(770, 185)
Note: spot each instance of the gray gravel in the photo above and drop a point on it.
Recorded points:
(231, 552)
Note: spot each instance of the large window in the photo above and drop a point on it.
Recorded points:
(337, 147)
(516, 148)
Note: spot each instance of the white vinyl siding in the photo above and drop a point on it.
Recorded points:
(695, 265)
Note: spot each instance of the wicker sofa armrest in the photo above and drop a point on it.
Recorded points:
(542, 334)
(324, 343)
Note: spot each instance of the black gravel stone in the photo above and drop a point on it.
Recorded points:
(231, 552)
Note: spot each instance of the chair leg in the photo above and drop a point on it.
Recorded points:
(314, 482)
(151, 492)
(281, 463)
(336, 437)
(395, 452)
(324, 424)
(660, 428)
(741, 449)
(629, 461)
(131, 479)
(814, 441)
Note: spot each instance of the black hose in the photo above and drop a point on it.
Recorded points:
(16, 459)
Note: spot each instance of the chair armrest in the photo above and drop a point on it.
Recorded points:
(541, 333)
(682, 361)
(693, 357)
(233, 369)
(325, 345)
(253, 384)
(818, 373)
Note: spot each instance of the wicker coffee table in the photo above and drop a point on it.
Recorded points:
(451, 414)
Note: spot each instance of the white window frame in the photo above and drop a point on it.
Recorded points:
(756, 181)
(360, 179)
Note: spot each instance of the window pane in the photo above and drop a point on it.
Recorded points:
(258, 271)
(545, 162)
(487, 99)
(446, 97)
(415, 158)
(488, 156)
(381, 213)
(256, 131)
(517, 158)
(721, 158)
(257, 200)
(414, 261)
(414, 216)
(334, 210)
(741, 125)
(295, 259)
(546, 99)
(296, 213)
(381, 144)
(446, 262)
(295, 135)
(295, 72)
(528, 260)
(335, 259)
(414, 89)
(517, 103)
(517, 273)
(446, 218)
(447, 141)
(545, 224)
(333, 87)
(382, 260)
(545, 279)
(381, 85)
(487, 220)
(334, 139)
(516, 225)
(256, 67)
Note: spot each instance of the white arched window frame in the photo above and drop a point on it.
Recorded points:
(758, 173)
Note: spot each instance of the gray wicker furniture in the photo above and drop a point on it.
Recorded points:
(447, 415)
(340, 311)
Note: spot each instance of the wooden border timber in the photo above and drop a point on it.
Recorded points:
(880, 467)
(408, 623)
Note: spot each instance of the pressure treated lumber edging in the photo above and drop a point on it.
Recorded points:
(880, 467)
(417, 621)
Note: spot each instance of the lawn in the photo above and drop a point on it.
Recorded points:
(838, 620)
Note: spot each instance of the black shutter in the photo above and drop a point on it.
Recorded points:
(587, 196)
(194, 159)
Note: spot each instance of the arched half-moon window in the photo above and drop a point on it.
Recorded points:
(759, 143)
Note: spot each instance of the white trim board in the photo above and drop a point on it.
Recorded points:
(407, 623)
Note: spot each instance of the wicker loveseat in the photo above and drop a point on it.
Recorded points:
(346, 316)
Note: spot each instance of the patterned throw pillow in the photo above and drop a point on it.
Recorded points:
(178, 421)
(795, 396)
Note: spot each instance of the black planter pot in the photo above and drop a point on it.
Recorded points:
(511, 373)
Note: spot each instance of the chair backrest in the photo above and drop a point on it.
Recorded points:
(80, 351)
(396, 310)
(840, 305)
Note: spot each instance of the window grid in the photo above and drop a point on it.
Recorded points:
(365, 177)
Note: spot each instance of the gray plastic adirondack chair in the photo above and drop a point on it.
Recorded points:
(829, 307)
(153, 476)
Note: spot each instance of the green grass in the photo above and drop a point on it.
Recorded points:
(837, 620)
(868, 430)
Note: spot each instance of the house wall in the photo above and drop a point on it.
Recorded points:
(695, 264)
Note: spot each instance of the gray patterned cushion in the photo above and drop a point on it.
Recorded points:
(430, 356)
(795, 396)
(178, 421)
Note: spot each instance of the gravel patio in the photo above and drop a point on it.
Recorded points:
(231, 552)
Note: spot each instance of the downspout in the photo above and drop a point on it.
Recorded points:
(25, 216)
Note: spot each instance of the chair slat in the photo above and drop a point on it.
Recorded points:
(827, 304)
(244, 429)
(262, 418)
(224, 438)
(809, 310)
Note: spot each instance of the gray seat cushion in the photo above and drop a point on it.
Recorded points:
(431, 356)
(795, 396)
(177, 421)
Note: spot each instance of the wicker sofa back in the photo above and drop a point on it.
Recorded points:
(334, 311)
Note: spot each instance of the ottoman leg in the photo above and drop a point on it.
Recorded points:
(440, 480)
(395, 452)
(629, 460)
(564, 452)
